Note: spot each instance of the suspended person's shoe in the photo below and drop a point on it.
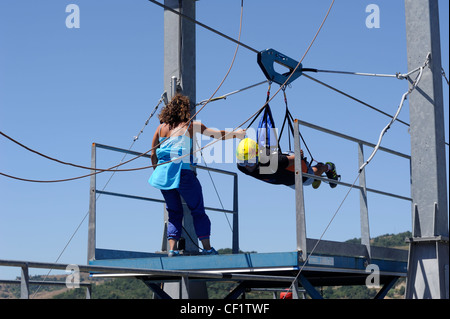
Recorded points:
(331, 174)
(316, 183)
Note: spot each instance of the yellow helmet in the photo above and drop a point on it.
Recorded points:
(246, 150)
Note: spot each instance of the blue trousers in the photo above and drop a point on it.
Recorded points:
(191, 191)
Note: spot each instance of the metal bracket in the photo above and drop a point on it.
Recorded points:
(266, 60)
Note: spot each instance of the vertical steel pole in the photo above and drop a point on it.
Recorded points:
(363, 210)
(295, 294)
(180, 74)
(428, 252)
(24, 283)
(299, 198)
(88, 292)
(235, 245)
(92, 206)
(180, 64)
(184, 290)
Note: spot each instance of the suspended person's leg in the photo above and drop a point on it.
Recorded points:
(329, 169)
(320, 168)
(332, 174)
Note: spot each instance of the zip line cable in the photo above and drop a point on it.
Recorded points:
(399, 76)
(352, 97)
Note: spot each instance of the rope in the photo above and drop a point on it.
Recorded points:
(163, 97)
(404, 97)
(399, 76)
(76, 165)
(443, 74)
(350, 73)
(224, 97)
(215, 189)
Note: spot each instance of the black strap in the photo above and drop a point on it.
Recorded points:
(290, 121)
(264, 108)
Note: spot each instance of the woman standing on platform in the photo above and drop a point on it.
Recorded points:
(171, 150)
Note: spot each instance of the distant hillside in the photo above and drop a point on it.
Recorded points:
(387, 240)
(130, 288)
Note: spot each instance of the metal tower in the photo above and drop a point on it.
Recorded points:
(428, 253)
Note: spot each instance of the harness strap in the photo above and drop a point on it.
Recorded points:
(290, 120)
(263, 109)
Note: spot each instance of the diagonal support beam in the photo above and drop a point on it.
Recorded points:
(157, 290)
(385, 289)
(309, 288)
(236, 292)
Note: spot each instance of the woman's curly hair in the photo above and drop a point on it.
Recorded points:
(176, 112)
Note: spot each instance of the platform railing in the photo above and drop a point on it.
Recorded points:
(94, 191)
(364, 210)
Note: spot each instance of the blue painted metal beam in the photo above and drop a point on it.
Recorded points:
(285, 261)
(233, 261)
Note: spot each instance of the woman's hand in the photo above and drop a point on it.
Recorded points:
(240, 134)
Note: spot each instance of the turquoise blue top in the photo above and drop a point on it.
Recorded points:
(167, 176)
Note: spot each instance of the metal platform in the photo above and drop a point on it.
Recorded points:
(332, 264)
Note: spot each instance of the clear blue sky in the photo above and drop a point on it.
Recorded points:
(63, 89)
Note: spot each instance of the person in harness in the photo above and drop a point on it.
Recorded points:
(278, 168)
